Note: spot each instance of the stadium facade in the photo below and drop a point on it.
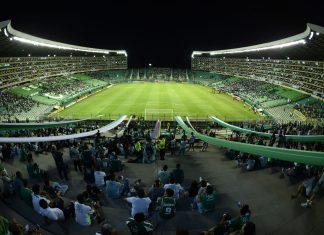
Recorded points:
(24, 58)
(296, 62)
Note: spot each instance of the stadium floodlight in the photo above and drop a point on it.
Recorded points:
(63, 47)
(311, 35)
(150, 64)
(28, 55)
(10, 39)
(279, 46)
(317, 33)
(5, 32)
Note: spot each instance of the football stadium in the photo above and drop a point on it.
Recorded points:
(232, 145)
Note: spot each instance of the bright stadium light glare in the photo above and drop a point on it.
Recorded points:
(259, 49)
(317, 33)
(311, 35)
(28, 55)
(10, 39)
(62, 47)
(5, 32)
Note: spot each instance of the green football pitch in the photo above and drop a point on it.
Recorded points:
(160, 101)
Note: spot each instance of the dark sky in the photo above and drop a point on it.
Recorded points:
(163, 33)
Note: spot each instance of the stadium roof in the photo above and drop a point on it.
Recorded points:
(308, 45)
(16, 43)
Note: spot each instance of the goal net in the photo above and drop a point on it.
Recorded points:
(158, 114)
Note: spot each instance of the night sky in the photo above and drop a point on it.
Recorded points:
(163, 33)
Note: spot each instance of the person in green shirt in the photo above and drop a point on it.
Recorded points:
(4, 223)
(167, 204)
(139, 226)
(207, 200)
(26, 194)
(238, 222)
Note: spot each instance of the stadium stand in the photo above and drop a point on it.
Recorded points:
(295, 62)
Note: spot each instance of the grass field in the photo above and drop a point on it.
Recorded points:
(184, 99)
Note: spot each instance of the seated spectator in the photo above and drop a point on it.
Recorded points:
(99, 177)
(305, 188)
(107, 229)
(33, 170)
(156, 191)
(83, 213)
(193, 190)
(164, 175)
(54, 189)
(238, 222)
(207, 200)
(113, 188)
(140, 204)
(177, 189)
(4, 225)
(167, 205)
(36, 198)
(247, 229)
(94, 193)
(139, 226)
(54, 214)
(178, 174)
(315, 191)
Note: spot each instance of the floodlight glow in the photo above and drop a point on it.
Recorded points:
(261, 48)
(311, 35)
(36, 43)
(317, 33)
(5, 32)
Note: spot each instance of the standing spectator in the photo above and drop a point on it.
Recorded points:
(19, 183)
(76, 157)
(164, 175)
(192, 142)
(183, 144)
(161, 146)
(178, 174)
(140, 204)
(60, 165)
(173, 145)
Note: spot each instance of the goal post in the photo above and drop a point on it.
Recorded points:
(159, 114)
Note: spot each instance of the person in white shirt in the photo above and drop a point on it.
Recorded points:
(177, 189)
(140, 204)
(82, 212)
(36, 198)
(51, 213)
(99, 177)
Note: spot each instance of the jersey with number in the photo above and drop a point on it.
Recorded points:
(167, 207)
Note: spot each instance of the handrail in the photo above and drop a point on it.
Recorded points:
(300, 138)
(301, 156)
(63, 137)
